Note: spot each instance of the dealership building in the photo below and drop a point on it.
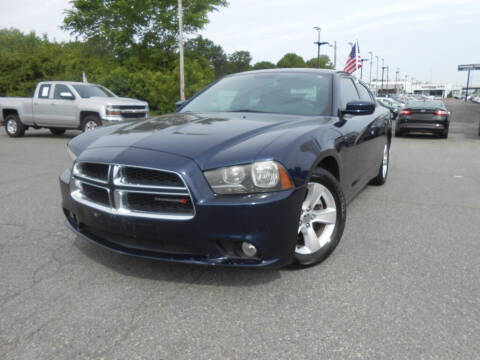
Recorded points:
(407, 86)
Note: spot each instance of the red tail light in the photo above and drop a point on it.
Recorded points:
(405, 112)
(441, 113)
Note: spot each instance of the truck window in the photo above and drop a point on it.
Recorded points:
(60, 88)
(44, 92)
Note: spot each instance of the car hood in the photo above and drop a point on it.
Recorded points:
(211, 139)
(116, 101)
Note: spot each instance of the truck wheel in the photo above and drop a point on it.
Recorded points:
(91, 122)
(57, 131)
(14, 126)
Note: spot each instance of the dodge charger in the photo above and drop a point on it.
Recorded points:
(255, 170)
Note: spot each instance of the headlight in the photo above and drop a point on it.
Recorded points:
(110, 110)
(264, 176)
(71, 154)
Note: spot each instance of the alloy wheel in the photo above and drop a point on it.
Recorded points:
(317, 220)
(385, 161)
(90, 125)
(12, 127)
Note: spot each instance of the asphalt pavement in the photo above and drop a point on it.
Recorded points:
(402, 284)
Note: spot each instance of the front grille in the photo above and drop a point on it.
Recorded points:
(131, 107)
(133, 115)
(96, 194)
(148, 177)
(159, 203)
(93, 171)
(132, 191)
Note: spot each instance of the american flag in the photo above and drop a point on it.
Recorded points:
(350, 66)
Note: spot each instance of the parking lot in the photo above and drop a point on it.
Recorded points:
(402, 284)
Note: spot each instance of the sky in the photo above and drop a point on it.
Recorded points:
(424, 39)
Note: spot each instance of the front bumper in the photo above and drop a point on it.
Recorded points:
(112, 120)
(213, 237)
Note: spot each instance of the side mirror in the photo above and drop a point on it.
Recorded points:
(67, 96)
(179, 104)
(359, 108)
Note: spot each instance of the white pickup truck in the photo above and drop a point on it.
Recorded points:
(61, 105)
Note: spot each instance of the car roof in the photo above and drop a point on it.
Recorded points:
(291, 70)
(66, 83)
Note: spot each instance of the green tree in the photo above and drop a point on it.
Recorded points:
(325, 62)
(291, 60)
(264, 65)
(201, 47)
(126, 25)
(239, 61)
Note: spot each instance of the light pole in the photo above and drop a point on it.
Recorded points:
(361, 68)
(371, 63)
(319, 44)
(376, 78)
(388, 69)
(383, 70)
(180, 47)
(406, 76)
(396, 80)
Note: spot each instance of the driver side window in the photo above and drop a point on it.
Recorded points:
(348, 91)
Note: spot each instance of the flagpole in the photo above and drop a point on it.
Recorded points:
(356, 57)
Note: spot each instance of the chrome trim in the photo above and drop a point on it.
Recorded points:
(117, 201)
(78, 174)
(119, 178)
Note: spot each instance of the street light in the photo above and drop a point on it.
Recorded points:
(371, 63)
(376, 78)
(361, 68)
(383, 70)
(319, 44)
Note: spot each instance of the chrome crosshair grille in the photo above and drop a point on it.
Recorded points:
(132, 191)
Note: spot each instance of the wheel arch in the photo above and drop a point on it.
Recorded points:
(84, 114)
(6, 112)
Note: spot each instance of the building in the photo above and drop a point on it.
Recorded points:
(406, 86)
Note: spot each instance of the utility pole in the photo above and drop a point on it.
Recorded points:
(396, 80)
(319, 44)
(180, 46)
(376, 78)
(335, 54)
(468, 85)
(405, 89)
(371, 63)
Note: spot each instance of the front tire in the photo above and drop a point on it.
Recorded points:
(14, 126)
(322, 219)
(91, 122)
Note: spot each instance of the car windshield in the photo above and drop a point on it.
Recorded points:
(282, 93)
(88, 91)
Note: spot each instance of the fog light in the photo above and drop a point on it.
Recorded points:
(249, 249)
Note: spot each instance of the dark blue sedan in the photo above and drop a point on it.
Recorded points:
(255, 170)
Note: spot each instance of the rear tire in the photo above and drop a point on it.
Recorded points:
(91, 122)
(323, 217)
(13, 126)
(57, 131)
(382, 174)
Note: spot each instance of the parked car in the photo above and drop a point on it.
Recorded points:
(476, 99)
(61, 105)
(423, 116)
(256, 170)
(390, 104)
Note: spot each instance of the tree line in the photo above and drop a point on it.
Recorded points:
(129, 46)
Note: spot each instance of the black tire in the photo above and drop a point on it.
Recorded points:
(382, 176)
(13, 126)
(57, 131)
(326, 179)
(88, 121)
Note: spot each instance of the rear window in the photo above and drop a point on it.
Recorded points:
(426, 105)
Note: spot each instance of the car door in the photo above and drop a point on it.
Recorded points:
(373, 137)
(42, 109)
(350, 127)
(64, 109)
